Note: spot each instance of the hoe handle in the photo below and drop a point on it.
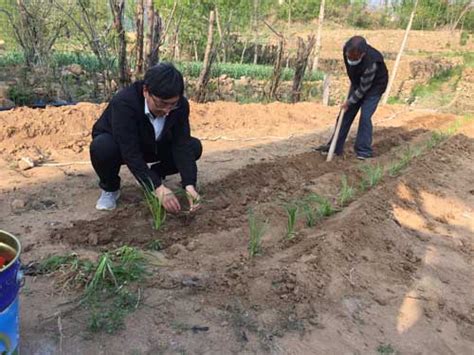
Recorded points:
(332, 148)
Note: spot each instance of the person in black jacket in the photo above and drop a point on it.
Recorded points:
(147, 122)
(368, 75)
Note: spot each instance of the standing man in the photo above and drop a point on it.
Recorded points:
(147, 122)
(368, 74)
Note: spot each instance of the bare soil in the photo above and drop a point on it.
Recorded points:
(393, 268)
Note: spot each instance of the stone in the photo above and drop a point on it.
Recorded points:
(18, 204)
(176, 249)
(75, 69)
(6, 104)
(4, 90)
(26, 163)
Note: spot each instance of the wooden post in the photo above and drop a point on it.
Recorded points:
(277, 69)
(399, 56)
(208, 59)
(303, 54)
(140, 10)
(318, 36)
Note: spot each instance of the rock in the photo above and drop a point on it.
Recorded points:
(93, 238)
(176, 249)
(4, 90)
(6, 104)
(75, 69)
(18, 204)
(223, 77)
(26, 163)
(192, 245)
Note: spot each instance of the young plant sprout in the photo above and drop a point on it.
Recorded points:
(157, 210)
(256, 229)
(292, 213)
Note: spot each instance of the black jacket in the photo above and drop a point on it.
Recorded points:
(356, 72)
(125, 119)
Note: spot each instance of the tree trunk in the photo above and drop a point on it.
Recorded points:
(464, 11)
(221, 36)
(196, 57)
(255, 29)
(326, 88)
(318, 36)
(140, 11)
(399, 55)
(303, 54)
(243, 52)
(208, 59)
(154, 56)
(277, 69)
(117, 7)
(150, 25)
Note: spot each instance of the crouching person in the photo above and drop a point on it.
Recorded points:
(147, 122)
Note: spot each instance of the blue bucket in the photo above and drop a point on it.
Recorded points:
(10, 279)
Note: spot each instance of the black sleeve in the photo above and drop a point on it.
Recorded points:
(182, 151)
(125, 133)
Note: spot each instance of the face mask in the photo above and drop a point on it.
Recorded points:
(354, 62)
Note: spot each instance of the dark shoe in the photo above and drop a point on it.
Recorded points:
(363, 157)
(323, 149)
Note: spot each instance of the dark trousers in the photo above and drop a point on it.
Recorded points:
(107, 159)
(363, 143)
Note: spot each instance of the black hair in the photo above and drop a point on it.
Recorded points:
(164, 81)
(356, 44)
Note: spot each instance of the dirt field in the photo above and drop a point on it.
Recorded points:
(391, 271)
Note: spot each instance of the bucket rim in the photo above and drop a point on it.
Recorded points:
(18, 249)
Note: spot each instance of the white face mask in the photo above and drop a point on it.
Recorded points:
(354, 62)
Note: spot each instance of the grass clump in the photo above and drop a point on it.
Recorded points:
(109, 290)
(347, 192)
(383, 349)
(309, 213)
(407, 156)
(256, 231)
(324, 208)
(157, 210)
(372, 175)
(292, 214)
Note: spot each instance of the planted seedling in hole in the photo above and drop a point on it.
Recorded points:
(256, 229)
(292, 213)
(325, 208)
(309, 214)
(347, 192)
(373, 175)
(157, 210)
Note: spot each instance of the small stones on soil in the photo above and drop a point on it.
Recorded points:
(18, 204)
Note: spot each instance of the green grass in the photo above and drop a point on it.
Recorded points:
(309, 213)
(256, 231)
(236, 71)
(324, 208)
(109, 286)
(372, 175)
(346, 193)
(292, 215)
(157, 210)
(383, 349)
(155, 245)
(436, 82)
(407, 156)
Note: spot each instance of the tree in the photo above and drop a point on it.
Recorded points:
(36, 27)
(117, 8)
(208, 60)
(399, 55)
(318, 36)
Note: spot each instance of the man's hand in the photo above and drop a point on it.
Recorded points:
(167, 199)
(345, 106)
(193, 198)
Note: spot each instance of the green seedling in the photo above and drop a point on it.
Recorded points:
(309, 214)
(292, 214)
(325, 208)
(372, 175)
(347, 192)
(157, 210)
(256, 229)
(155, 245)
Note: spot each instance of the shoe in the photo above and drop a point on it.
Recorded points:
(107, 200)
(361, 157)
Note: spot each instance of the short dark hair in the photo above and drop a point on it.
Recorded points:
(164, 81)
(356, 44)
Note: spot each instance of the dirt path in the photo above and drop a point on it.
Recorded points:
(392, 269)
